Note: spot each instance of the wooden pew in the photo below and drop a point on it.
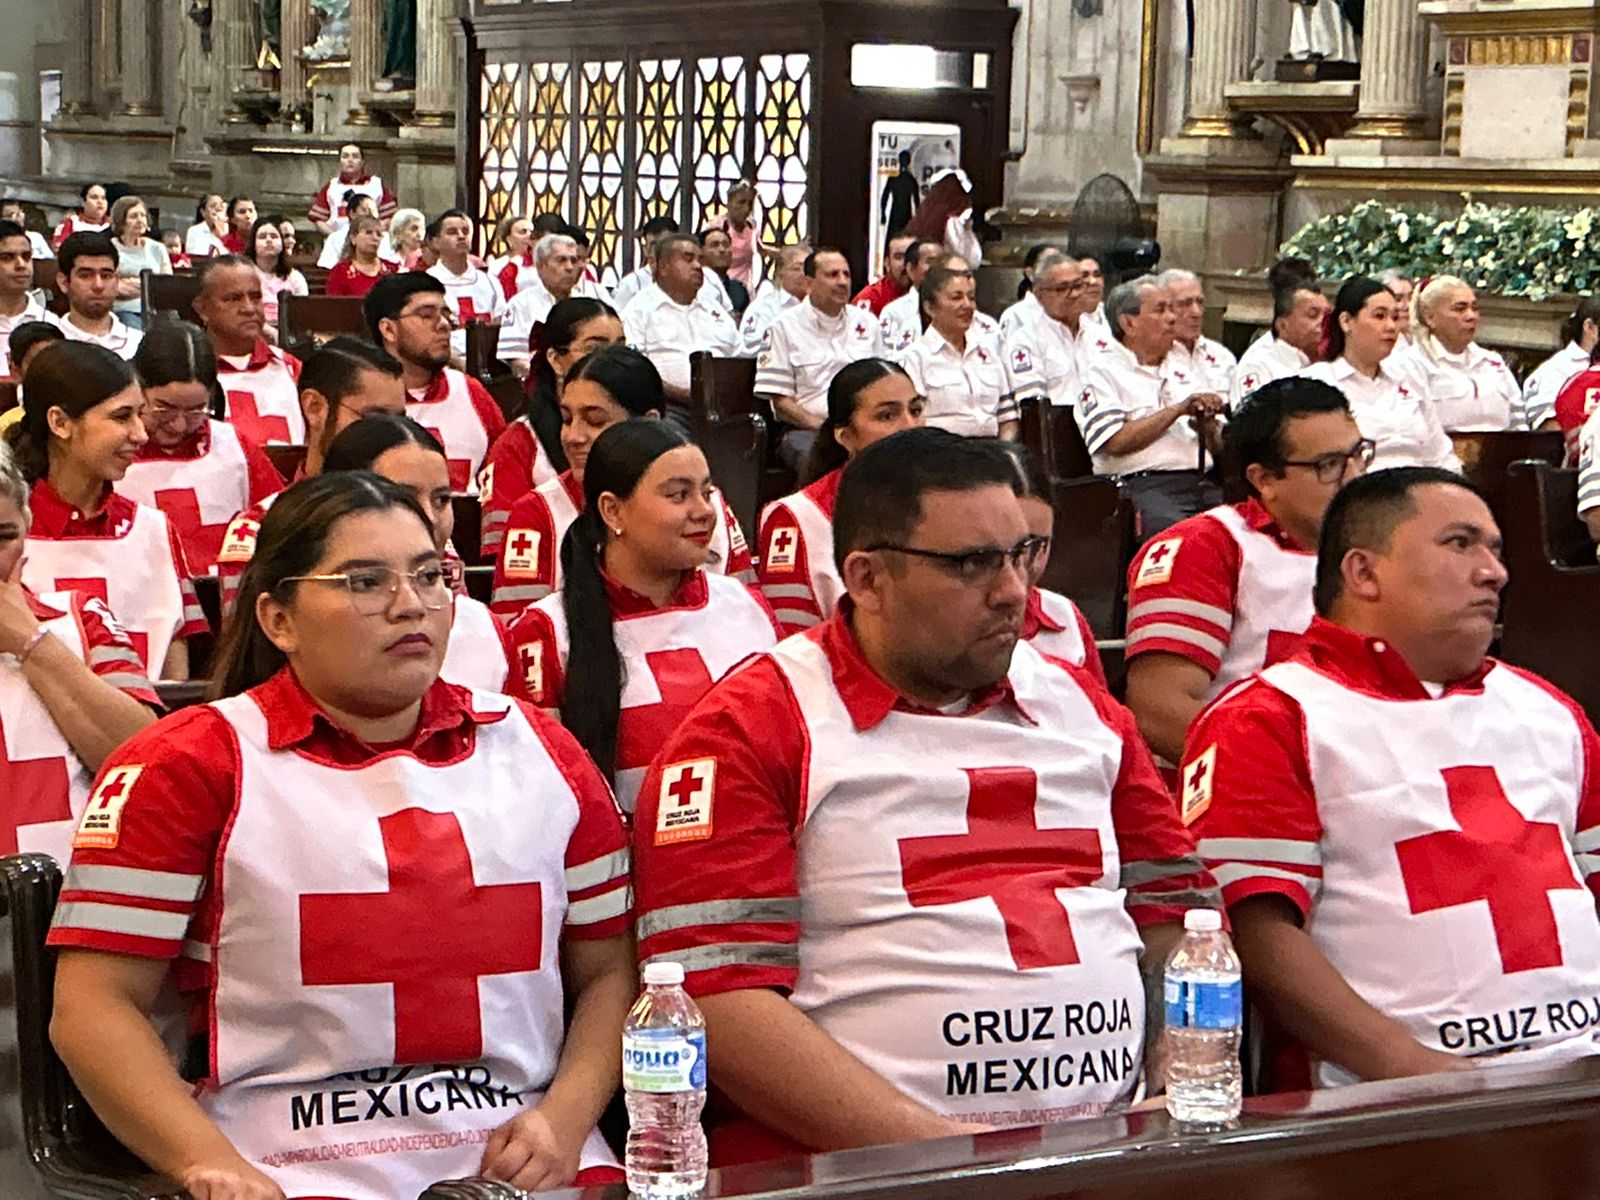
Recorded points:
(1050, 431)
(286, 459)
(317, 318)
(1550, 605)
(480, 582)
(1486, 458)
(1091, 547)
(721, 389)
(170, 295)
(467, 534)
(8, 394)
(483, 344)
(45, 271)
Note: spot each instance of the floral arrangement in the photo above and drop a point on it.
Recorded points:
(1534, 253)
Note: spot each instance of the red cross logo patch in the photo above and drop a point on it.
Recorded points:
(522, 552)
(684, 811)
(1198, 778)
(101, 826)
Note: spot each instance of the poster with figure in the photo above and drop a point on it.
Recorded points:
(906, 156)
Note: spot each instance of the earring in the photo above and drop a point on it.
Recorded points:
(616, 533)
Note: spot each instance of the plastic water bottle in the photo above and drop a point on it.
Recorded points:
(1205, 1013)
(664, 1081)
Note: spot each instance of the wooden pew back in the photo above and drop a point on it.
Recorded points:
(317, 318)
(1091, 547)
(170, 295)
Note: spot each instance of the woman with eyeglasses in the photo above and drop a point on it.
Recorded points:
(612, 384)
(1389, 404)
(396, 447)
(867, 401)
(529, 452)
(644, 626)
(200, 471)
(1471, 388)
(80, 431)
(957, 367)
(377, 892)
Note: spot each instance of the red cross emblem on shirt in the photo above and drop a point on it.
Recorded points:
(1497, 856)
(522, 543)
(681, 678)
(201, 542)
(1020, 360)
(96, 589)
(430, 937)
(1007, 857)
(36, 791)
(246, 416)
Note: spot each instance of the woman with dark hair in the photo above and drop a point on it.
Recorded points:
(397, 448)
(867, 401)
(272, 265)
(359, 266)
(93, 215)
(241, 216)
(1389, 408)
(945, 215)
(956, 365)
(529, 452)
(200, 471)
(1556, 395)
(80, 430)
(614, 383)
(340, 817)
(1051, 621)
(649, 627)
(204, 239)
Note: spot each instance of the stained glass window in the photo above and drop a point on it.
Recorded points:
(502, 189)
(658, 133)
(720, 130)
(600, 148)
(783, 144)
(549, 147)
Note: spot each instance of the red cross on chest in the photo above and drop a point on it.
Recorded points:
(460, 468)
(1497, 856)
(681, 678)
(1006, 856)
(34, 791)
(245, 415)
(430, 937)
(202, 543)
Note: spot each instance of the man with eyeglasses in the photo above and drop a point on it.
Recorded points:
(258, 380)
(410, 317)
(1054, 346)
(1208, 362)
(951, 825)
(1225, 593)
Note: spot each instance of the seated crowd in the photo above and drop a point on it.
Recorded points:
(402, 867)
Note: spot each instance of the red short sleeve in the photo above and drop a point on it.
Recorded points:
(264, 479)
(1246, 792)
(536, 674)
(525, 568)
(507, 476)
(785, 571)
(739, 564)
(320, 209)
(1181, 592)
(714, 838)
(493, 420)
(111, 652)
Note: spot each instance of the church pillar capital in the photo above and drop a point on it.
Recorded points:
(1223, 41)
(437, 64)
(77, 76)
(366, 55)
(1393, 48)
(138, 62)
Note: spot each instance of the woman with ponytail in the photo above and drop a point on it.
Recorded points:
(868, 400)
(338, 816)
(80, 430)
(614, 383)
(395, 447)
(1470, 388)
(1389, 409)
(648, 626)
(1580, 335)
(529, 452)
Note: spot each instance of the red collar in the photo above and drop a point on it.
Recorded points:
(1257, 518)
(438, 389)
(196, 445)
(1035, 618)
(261, 356)
(234, 242)
(1371, 665)
(350, 183)
(824, 492)
(693, 592)
(868, 697)
(53, 517)
(295, 720)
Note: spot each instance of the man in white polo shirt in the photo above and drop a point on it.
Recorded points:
(1143, 419)
(88, 263)
(557, 269)
(788, 287)
(471, 292)
(808, 346)
(901, 319)
(1055, 344)
(1208, 362)
(1299, 310)
(672, 317)
(17, 303)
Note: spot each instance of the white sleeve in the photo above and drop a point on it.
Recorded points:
(1589, 466)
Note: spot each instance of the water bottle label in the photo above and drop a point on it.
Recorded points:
(1203, 1004)
(664, 1060)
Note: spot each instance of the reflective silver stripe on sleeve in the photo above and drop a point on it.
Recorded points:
(519, 595)
(598, 870)
(101, 655)
(1182, 608)
(1588, 864)
(1587, 839)
(129, 681)
(114, 918)
(199, 951)
(1135, 874)
(604, 907)
(733, 954)
(794, 618)
(719, 912)
(786, 591)
(133, 881)
(1234, 872)
(1189, 898)
(1281, 850)
(1177, 633)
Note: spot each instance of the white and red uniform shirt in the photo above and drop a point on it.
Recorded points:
(1049, 352)
(457, 410)
(238, 548)
(527, 307)
(517, 463)
(1021, 316)
(796, 567)
(1228, 590)
(1054, 627)
(513, 272)
(1574, 405)
(671, 655)
(1471, 391)
(1393, 412)
(202, 485)
(1118, 389)
(1437, 846)
(901, 324)
(1263, 361)
(1589, 466)
(263, 394)
(32, 310)
(971, 392)
(480, 654)
(300, 878)
(43, 784)
(127, 556)
(474, 295)
(1210, 364)
(75, 223)
(528, 567)
(1537, 404)
(119, 338)
(328, 204)
(805, 349)
(904, 874)
(201, 241)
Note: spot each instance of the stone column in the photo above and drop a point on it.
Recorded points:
(1222, 45)
(366, 55)
(77, 75)
(237, 46)
(437, 68)
(139, 97)
(1392, 71)
(291, 44)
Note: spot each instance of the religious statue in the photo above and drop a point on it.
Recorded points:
(399, 45)
(1325, 30)
(333, 32)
